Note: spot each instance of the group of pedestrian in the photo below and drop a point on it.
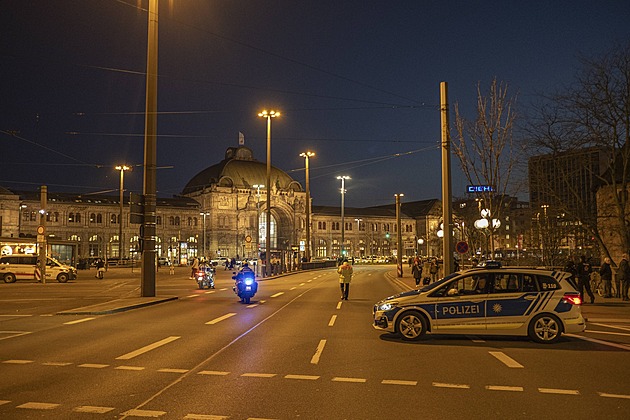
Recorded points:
(424, 271)
(581, 273)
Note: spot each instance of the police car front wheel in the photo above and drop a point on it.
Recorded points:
(411, 325)
(545, 328)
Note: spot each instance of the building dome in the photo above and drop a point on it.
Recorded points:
(239, 169)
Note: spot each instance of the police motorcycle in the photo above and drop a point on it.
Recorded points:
(205, 277)
(245, 285)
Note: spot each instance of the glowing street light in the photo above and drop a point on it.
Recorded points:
(307, 248)
(343, 227)
(122, 169)
(268, 115)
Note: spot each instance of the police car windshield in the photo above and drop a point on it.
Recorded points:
(438, 283)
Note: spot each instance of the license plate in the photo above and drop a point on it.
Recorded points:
(248, 288)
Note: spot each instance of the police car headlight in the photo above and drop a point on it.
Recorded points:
(387, 306)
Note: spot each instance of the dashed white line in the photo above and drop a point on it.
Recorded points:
(558, 391)
(2, 402)
(332, 320)
(504, 388)
(192, 296)
(277, 294)
(93, 365)
(258, 375)
(293, 288)
(56, 364)
(221, 318)
(209, 292)
(17, 362)
(318, 352)
(213, 372)
(398, 382)
(604, 394)
(205, 417)
(78, 321)
(303, 377)
(169, 370)
(253, 305)
(351, 380)
(143, 413)
(505, 359)
(339, 304)
(145, 349)
(129, 368)
(38, 406)
(92, 409)
(445, 385)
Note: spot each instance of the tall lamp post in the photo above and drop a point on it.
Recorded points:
(258, 187)
(268, 115)
(343, 226)
(204, 214)
(398, 237)
(122, 169)
(358, 235)
(307, 248)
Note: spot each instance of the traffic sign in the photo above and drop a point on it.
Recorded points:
(461, 247)
(41, 229)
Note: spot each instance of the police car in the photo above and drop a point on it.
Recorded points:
(490, 300)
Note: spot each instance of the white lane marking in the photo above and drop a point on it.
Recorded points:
(129, 368)
(209, 292)
(225, 288)
(398, 382)
(92, 409)
(221, 318)
(169, 370)
(352, 380)
(559, 391)
(38, 406)
(78, 321)
(301, 284)
(339, 305)
(444, 385)
(332, 320)
(93, 365)
(318, 352)
(14, 316)
(213, 372)
(258, 375)
(253, 305)
(504, 388)
(192, 296)
(205, 417)
(310, 281)
(262, 301)
(2, 402)
(143, 413)
(145, 349)
(13, 334)
(607, 333)
(505, 359)
(617, 327)
(594, 340)
(604, 394)
(277, 294)
(293, 288)
(17, 362)
(304, 377)
(56, 364)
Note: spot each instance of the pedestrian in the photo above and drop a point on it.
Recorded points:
(434, 269)
(623, 274)
(605, 273)
(416, 271)
(194, 267)
(345, 276)
(426, 269)
(570, 268)
(584, 278)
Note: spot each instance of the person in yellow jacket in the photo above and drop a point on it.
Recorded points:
(345, 276)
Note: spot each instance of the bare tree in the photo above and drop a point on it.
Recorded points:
(592, 117)
(484, 147)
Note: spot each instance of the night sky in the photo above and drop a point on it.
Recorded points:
(356, 81)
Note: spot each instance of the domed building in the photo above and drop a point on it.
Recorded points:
(233, 199)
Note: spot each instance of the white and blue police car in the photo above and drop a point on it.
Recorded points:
(490, 300)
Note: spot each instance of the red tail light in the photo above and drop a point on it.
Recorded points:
(572, 298)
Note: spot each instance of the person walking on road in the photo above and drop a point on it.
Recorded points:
(416, 271)
(100, 269)
(345, 276)
(194, 267)
(623, 274)
(584, 278)
(605, 272)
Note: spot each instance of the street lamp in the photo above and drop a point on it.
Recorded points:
(122, 169)
(21, 208)
(399, 236)
(258, 187)
(358, 234)
(307, 248)
(269, 115)
(343, 226)
(204, 214)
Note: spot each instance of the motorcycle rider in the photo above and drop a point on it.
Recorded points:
(240, 277)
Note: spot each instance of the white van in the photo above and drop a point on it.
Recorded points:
(22, 267)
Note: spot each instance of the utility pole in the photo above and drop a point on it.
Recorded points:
(41, 232)
(447, 202)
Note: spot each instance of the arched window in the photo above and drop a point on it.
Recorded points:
(189, 221)
(92, 218)
(113, 219)
(158, 220)
(77, 217)
(171, 221)
(99, 218)
(177, 221)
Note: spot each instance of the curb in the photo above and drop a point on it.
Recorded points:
(117, 305)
